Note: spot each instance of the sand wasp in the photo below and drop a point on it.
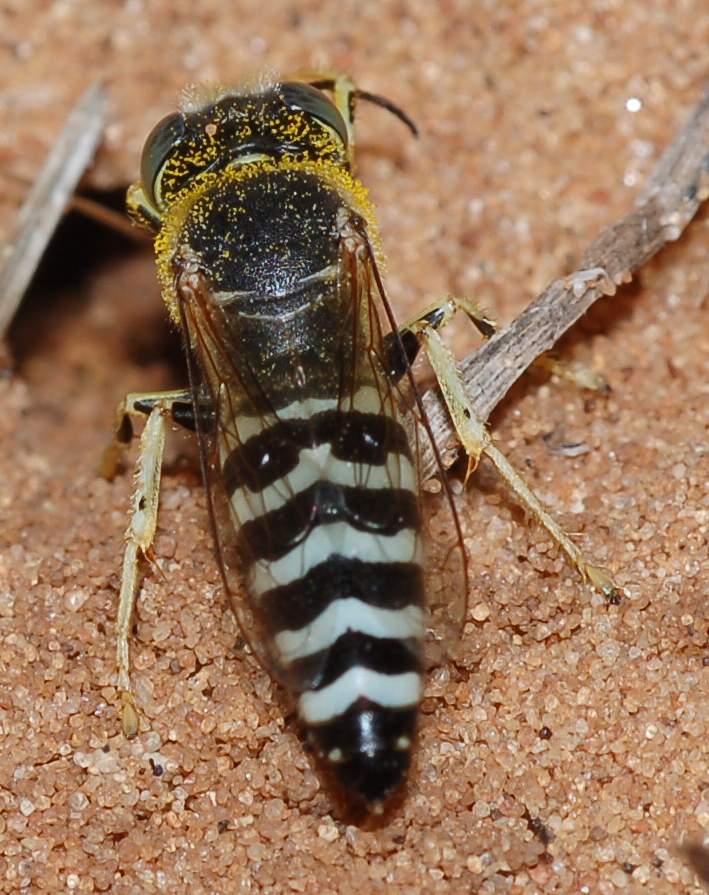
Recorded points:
(306, 411)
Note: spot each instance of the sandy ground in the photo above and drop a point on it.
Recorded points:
(564, 748)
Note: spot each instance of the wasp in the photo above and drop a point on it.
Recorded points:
(306, 411)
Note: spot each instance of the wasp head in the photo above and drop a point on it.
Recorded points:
(227, 128)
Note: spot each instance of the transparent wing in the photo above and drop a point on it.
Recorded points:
(216, 391)
(445, 563)
(234, 403)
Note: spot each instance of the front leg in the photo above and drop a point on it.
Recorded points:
(476, 440)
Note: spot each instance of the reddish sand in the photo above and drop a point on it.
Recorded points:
(563, 750)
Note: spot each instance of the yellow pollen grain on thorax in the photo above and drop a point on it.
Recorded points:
(170, 236)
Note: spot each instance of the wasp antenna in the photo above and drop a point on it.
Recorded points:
(389, 106)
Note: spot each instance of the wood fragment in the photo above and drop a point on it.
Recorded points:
(666, 205)
(44, 206)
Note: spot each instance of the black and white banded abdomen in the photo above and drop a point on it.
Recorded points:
(324, 496)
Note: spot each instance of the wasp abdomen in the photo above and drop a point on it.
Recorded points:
(329, 514)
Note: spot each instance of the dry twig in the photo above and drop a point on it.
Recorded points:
(48, 198)
(670, 199)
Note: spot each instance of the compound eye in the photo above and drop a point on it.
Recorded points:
(312, 101)
(162, 139)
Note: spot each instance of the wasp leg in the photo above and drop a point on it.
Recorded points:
(577, 375)
(177, 406)
(440, 314)
(402, 347)
(476, 440)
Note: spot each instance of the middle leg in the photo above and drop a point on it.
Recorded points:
(175, 405)
(441, 313)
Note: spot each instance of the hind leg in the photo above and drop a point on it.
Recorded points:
(475, 438)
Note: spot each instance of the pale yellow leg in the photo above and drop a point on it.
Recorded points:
(137, 404)
(476, 440)
(577, 375)
(441, 313)
(141, 528)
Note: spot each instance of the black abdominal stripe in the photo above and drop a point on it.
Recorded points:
(324, 498)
